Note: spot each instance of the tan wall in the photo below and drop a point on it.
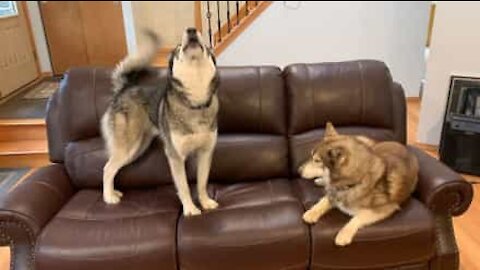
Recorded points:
(168, 18)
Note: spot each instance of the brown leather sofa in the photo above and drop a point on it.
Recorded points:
(268, 122)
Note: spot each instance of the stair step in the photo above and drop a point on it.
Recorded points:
(24, 153)
(22, 129)
(23, 147)
(24, 161)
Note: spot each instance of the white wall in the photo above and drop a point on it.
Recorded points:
(455, 50)
(39, 36)
(394, 32)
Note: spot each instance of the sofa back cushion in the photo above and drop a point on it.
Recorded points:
(358, 97)
(252, 142)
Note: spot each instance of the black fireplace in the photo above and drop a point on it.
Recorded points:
(460, 143)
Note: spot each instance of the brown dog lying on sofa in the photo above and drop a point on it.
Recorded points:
(365, 179)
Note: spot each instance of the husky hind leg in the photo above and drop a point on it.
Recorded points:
(125, 144)
(118, 160)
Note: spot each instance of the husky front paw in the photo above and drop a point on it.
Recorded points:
(113, 197)
(191, 211)
(344, 237)
(208, 204)
(310, 217)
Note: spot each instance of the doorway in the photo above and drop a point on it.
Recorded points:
(18, 65)
(83, 33)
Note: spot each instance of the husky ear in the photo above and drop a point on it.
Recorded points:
(330, 130)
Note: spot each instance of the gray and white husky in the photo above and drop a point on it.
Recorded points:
(183, 113)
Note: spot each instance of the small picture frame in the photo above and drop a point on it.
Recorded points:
(8, 9)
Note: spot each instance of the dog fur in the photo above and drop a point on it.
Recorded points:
(365, 179)
(182, 113)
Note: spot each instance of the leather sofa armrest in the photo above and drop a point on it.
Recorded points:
(440, 188)
(29, 205)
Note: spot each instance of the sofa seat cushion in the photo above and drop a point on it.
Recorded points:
(406, 238)
(138, 233)
(257, 226)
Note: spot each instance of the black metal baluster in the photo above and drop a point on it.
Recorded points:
(228, 16)
(246, 8)
(238, 17)
(209, 17)
(219, 24)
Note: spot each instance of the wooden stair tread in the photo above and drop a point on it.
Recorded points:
(14, 130)
(23, 147)
(23, 122)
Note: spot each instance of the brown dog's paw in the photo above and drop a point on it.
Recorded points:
(310, 217)
(344, 237)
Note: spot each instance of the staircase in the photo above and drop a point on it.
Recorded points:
(224, 21)
(220, 22)
(23, 143)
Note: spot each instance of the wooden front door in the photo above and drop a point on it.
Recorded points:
(17, 56)
(81, 33)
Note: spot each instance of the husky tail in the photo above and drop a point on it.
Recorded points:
(130, 69)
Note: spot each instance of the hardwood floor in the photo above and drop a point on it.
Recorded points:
(413, 115)
(4, 258)
(466, 226)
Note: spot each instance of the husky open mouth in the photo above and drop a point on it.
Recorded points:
(192, 43)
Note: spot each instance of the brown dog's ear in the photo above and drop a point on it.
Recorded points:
(330, 130)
